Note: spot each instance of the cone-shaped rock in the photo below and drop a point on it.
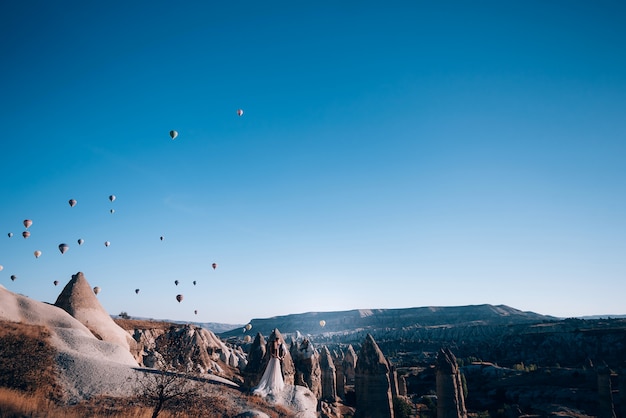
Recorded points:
(254, 369)
(306, 362)
(79, 300)
(372, 385)
(329, 376)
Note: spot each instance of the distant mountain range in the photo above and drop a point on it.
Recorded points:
(360, 320)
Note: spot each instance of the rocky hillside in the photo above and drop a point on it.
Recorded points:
(362, 321)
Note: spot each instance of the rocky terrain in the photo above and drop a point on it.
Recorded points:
(432, 361)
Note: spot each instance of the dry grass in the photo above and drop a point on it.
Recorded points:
(132, 324)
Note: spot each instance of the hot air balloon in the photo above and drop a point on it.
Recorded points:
(96, 290)
(194, 282)
(248, 327)
(26, 234)
(162, 238)
(1, 267)
(80, 241)
(10, 234)
(322, 323)
(195, 312)
(112, 211)
(179, 298)
(137, 291)
(107, 243)
(240, 112)
(56, 282)
(27, 223)
(72, 202)
(13, 277)
(37, 253)
(112, 197)
(247, 339)
(214, 265)
(173, 134)
(176, 282)
(63, 248)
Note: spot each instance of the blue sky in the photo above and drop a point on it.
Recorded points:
(390, 155)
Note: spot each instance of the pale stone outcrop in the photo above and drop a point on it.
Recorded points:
(329, 377)
(372, 385)
(78, 299)
(307, 368)
(450, 400)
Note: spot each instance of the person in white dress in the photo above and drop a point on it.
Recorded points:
(272, 381)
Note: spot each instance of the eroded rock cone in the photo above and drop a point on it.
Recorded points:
(450, 400)
(372, 385)
(79, 300)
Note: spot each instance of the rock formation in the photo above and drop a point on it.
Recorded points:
(372, 386)
(605, 392)
(341, 378)
(254, 369)
(329, 377)
(450, 400)
(79, 300)
(307, 368)
(349, 365)
(259, 357)
(187, 347)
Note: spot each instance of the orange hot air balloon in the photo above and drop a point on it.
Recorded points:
(26, 234)
(179, 298)
(27, 223)
(72, 202)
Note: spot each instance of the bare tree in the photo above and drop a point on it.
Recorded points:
(172, 380)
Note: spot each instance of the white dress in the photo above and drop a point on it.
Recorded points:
(272, 381)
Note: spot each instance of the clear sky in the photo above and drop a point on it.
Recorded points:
(391, 154)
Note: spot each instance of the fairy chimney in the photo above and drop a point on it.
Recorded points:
(329, 377)
(254, 369)
(450, 401)
(307, 367)
(349, 364)
(372, 385)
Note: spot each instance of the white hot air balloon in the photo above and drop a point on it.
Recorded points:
(240, 112)
(248, 327)
(72, 202)
(37, 254)
(96, 290)
(1, 267)
(112, 197)
(322, 323)
(10, 234)
(173, 134)
(81, 241)
(63, 248)
(26, 234)
(27, 223)
(107, 243)
(112, 211)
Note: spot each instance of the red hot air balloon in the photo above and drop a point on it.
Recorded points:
(179, 298)
(26, 234)
(27, 223)
(72, 202)
(240, 112)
